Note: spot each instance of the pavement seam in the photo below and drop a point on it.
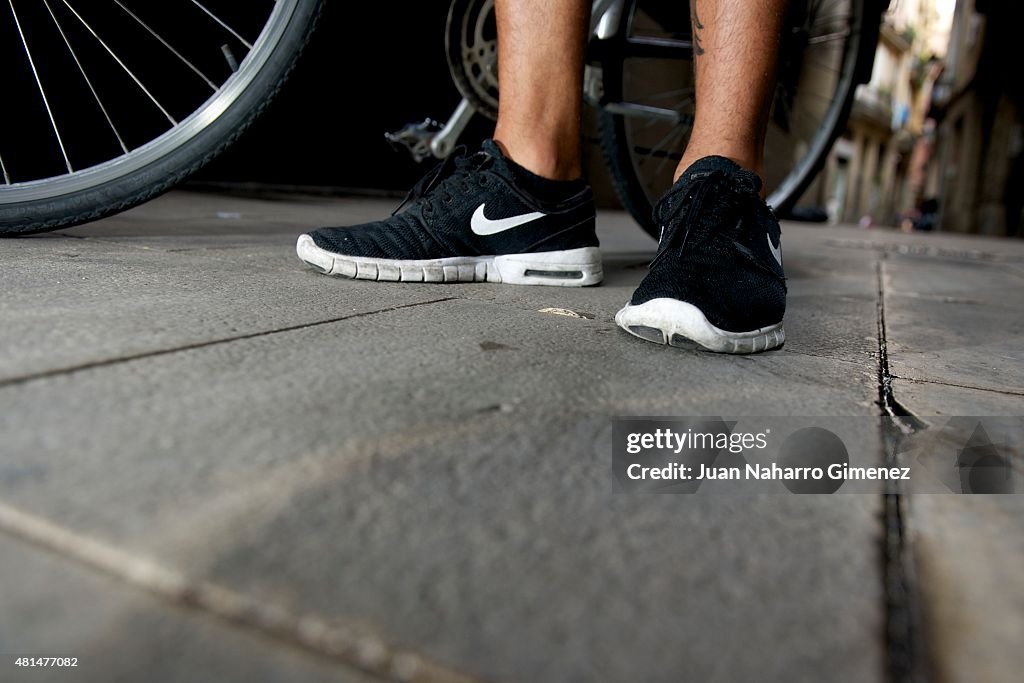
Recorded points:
(106, 362)
(1007, 392)
(890, 406)
(903, 633)
(349, 643)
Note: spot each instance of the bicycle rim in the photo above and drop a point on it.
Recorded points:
(648, 105)
(101, 91)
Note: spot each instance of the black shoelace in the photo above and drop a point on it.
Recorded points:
(446, 178)
(735, 193)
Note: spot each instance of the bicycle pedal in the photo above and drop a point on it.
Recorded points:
(415, 138)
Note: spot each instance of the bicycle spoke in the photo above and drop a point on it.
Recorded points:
(3, 168)
(666, 157)
(675, 130)
(632, 109)
(193, 67)
(661, 48)
(85, 76)
(124, 66)
(42, 92)
(227, 28)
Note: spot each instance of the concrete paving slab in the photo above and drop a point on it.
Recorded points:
(187, 268)
(395, 458)
(968, 548)
(433, 461)
(72, 302)
(50, 607)
(953, 330)
(968, 551)
(954, 322)
(179, 273)
(390, 373)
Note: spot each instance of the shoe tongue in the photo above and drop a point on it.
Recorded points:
(500, 162)
(700, 169)
(706, 166)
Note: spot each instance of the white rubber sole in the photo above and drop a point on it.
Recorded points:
(571, 268)
(677, 323)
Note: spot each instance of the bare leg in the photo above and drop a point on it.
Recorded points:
(540, 68)
(735, 50)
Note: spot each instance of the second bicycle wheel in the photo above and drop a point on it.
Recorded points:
(648, 97)
(109, 103)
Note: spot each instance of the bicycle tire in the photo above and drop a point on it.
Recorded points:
(618, 151)
(56, 203)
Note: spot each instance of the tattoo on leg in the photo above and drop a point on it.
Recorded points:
(698, 47)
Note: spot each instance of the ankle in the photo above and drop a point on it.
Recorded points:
(741, 156)
(553, 162)
(755, 165)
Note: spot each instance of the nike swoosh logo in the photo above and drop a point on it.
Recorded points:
(776, 250)
(482, 225)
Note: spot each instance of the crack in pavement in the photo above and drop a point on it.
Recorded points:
(106, 362)
(349, 643)
(891, 407)
(904, 640)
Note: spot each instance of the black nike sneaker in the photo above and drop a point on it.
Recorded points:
(717, 281)
(472, 219)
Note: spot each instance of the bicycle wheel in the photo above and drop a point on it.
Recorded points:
(648, 101)
(114, 102)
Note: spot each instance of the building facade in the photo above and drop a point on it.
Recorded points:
(874, 174)
(978, 168)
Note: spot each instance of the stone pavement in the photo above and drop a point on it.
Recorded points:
(216, 464)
